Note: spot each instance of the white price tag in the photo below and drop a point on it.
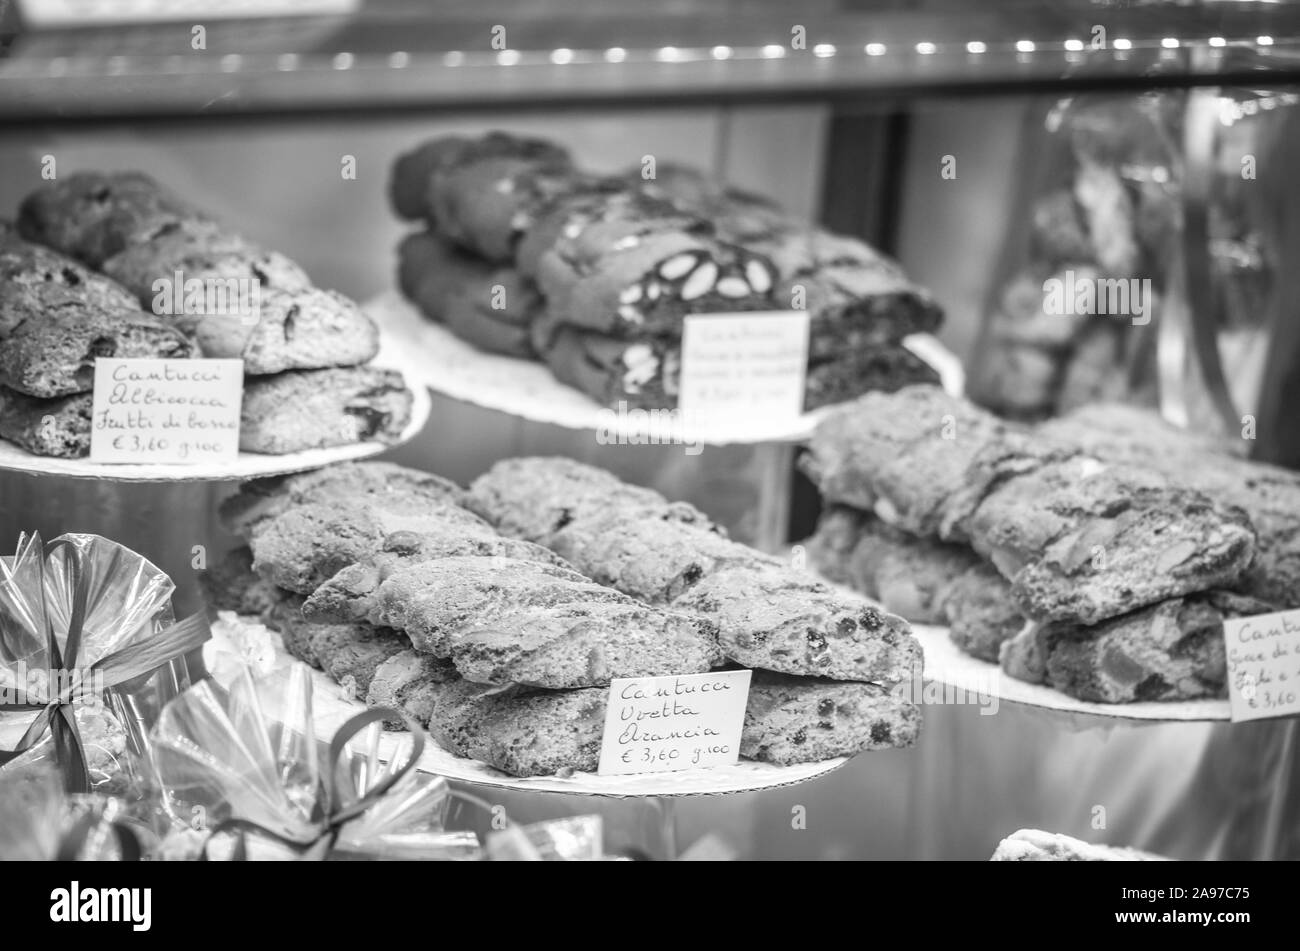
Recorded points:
(1263, 665)
(742, 371)
(663, 724)
(166, 411)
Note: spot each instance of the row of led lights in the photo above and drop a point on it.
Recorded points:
(233, 62)
(671, 54)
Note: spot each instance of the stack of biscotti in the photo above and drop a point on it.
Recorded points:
(305, 350)
(379, 576)
(56, 317)
(620, 261)
(817, 651)
(1123, 570)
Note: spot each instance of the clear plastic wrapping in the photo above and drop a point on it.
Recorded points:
(245, 764)
(89, 654)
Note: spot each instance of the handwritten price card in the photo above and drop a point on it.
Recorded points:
(663, 724)
(1264, 665)
(166, 411)
(743, 370)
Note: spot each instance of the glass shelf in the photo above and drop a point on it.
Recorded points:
(398, 56)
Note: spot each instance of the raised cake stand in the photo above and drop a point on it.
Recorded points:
(165, 512)
(246, 639)
(247, 465)
(971, 679)
(743, 479)
(527, 388)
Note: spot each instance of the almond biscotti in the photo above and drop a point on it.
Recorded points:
(481, 193)
(317, 409)
(631, 267)
(782, 620)
(534, 497)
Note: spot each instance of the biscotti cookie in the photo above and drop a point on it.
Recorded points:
(839, 528)
(652, 559)
(583, 644)
(133, 229)
(780, 620)
(912, 577)
(305, 545)
(903, 456)
(885, 368)
(58, 427)
(480, 193)
(412, 683)
(436, 601)
(634, 267)
(981, 613)
(95, 215)
(1269, 495)
(1171, 651)
(260, 499)
(792, 720)
(36, 282)
(55, 354)
(490, 307)
(1083, 541)
(232, 585)
(505, 621)
(256, 305)
(521, 731)
(644, 373)
(856, 297)
(533, 497)
(1034, 845)
(350, 594)
(316, 409)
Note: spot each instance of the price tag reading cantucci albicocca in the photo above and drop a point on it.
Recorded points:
(183, 412)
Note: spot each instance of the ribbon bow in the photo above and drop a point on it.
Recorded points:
(331, 813)
(56, 714)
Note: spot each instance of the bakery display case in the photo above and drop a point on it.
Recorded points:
(922, 372)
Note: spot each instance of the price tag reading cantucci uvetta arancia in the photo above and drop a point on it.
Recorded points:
(664, 724)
